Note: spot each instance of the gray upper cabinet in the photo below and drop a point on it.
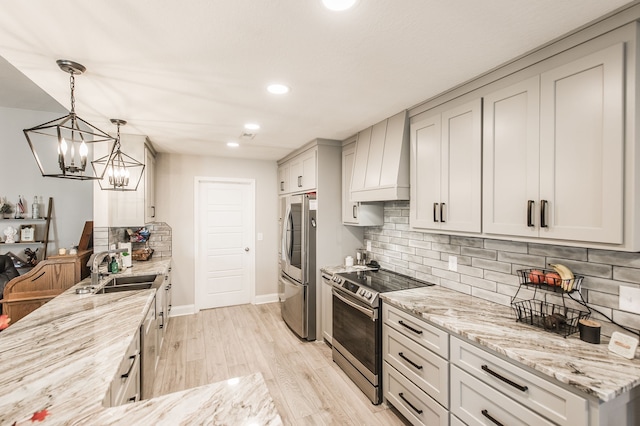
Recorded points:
(554, 153)
(356, 213)
(299, 174)
(381, 164)
(446, 164)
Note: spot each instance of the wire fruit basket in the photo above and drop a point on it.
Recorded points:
(549, 316)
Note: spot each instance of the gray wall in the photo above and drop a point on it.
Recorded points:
(19, 175)
(175, 176)
(487, 267)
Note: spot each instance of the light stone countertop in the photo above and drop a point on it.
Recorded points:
(63, 356)
(586, 367)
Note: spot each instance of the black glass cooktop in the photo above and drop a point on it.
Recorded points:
(383, 281)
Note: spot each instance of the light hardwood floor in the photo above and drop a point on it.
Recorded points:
(308, 388)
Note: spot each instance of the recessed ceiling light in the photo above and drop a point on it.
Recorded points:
(339, 5)
(252, 126)
(278, 89)
(233, 144)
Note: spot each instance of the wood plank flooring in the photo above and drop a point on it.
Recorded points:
(308, 388)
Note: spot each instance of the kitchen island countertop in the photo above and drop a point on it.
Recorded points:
(586, 367)
(63, 356)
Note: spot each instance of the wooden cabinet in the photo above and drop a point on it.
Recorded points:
(380, 171)
(355, 213)
(298, 174)
(446, 167)
(553, 153)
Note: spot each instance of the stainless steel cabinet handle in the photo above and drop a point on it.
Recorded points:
(299, 181)
(161, 315)
(435, 209)
(504, 379)
(441, 212)
(401, 395)
(530, 205)
(154, 211)
(487, 415)
(355, 211)
(281, 185)
(543, 214)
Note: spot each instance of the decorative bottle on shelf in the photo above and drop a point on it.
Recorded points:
(35, 209)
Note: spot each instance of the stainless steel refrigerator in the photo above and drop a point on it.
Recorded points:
(297, 286)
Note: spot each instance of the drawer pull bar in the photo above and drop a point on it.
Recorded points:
(419, 367)
(487, 415)
(133, 361)
(504, 379)
(410, 404)
(409, 327)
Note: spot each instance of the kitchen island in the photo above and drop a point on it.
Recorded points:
(63, 357)
(607, 381)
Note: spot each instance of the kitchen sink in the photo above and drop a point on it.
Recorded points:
(129, 283)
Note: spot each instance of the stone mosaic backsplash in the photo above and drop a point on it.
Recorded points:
(487, 267)
(159, 239)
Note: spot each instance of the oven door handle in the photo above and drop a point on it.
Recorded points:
(372, 314)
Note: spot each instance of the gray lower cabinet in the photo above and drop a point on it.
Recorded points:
(434, 378)
(126, 386)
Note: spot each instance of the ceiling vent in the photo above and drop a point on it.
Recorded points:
(247, 136)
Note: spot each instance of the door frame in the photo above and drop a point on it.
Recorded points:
(198, 181)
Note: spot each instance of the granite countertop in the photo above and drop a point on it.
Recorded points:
(587, 367)
(63, 356)
(342, 269)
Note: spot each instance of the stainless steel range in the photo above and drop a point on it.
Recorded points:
(357, 329)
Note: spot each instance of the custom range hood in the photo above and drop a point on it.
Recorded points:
(381, 165)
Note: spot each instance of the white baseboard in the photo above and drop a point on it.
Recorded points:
(177, 311)
(265, 298)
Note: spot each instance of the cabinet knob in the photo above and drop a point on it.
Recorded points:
(246, 249)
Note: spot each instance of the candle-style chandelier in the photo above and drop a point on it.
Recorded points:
(123, 172)
(63, 146)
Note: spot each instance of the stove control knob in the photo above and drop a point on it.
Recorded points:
(368, 295)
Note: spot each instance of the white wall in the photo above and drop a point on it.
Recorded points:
(175, 202)
(19, 175)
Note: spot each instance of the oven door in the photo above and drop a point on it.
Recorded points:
(357, 335)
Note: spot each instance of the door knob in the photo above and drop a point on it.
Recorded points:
(246, 249)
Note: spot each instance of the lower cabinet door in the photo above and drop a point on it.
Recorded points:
(456, 421)
(476, 403)
(415, 405)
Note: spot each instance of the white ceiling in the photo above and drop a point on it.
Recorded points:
(189, 74)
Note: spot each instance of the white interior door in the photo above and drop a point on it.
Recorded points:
(225, 222)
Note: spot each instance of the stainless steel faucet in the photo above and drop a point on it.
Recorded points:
(94, 263)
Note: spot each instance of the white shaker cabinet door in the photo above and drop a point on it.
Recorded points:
(425, 139)
(361, 158)
(511, 140)
(581, 148)
(461, 181)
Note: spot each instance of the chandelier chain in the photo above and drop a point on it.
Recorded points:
(72, 83)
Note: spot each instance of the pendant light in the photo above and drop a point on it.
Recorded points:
(123, 172)
(62, 147)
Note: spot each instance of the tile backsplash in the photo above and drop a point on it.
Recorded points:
(486, 268)
(159, 239)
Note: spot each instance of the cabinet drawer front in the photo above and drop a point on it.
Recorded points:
(416, 406)
(542, 396)
(477, 404)
(424, 368)
(418, 330)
